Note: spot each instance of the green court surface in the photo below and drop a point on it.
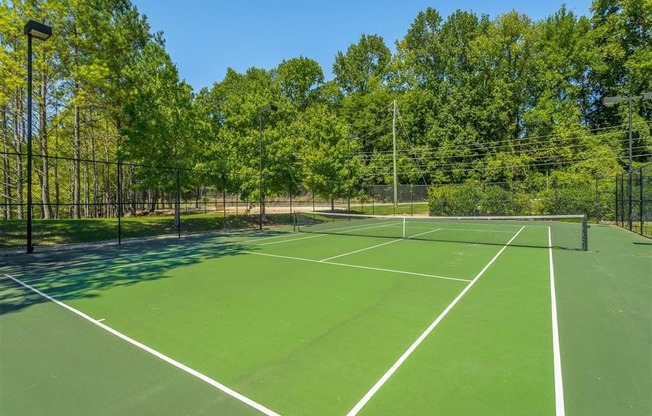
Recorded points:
(293, 323)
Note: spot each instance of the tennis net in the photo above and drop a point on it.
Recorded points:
(567, 231)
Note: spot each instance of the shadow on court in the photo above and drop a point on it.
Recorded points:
(84, 273)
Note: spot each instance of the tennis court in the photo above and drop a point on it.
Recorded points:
(377, 317)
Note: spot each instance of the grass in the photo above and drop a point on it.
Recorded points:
(76, 231)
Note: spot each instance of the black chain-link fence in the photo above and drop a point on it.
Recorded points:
(81, 201)
(633, 200)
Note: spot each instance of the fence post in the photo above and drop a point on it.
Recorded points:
(119, 200)
(640, 183)
(622, 200)
(585, 234)
(629, 199)
(177, 208)
(616, 210)
(224, 219)
(597, 202)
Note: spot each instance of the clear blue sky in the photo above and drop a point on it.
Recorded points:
(205, 37)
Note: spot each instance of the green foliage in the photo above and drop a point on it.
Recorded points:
(330, 165)
(481, 101)
(364, 65)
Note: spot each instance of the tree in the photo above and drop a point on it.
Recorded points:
(159, 125)
(364, 65)
(330, 164)
(299, 80)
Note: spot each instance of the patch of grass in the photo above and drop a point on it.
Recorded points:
(76, 231)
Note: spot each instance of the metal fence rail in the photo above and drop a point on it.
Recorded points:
(633, 201)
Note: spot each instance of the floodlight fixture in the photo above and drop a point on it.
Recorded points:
(38, 30)
(610, 101)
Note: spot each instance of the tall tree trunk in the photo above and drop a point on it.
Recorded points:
(18, 149)
(86, 177)
(76, 172)
(134, 194)
(46, 208)
(6, 176)
(95, 171)
(107, 197)
(154, 195)
(57, 188)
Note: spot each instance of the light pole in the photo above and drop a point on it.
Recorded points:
(610, 101)
(261, 209)
(39, 31)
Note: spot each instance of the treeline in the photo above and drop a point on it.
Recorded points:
(469, 99)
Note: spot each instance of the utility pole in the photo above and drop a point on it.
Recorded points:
(394, 157)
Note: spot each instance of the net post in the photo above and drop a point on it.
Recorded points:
(585, 233)
(404, 236)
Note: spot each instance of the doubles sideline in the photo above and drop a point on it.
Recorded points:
(152, 351)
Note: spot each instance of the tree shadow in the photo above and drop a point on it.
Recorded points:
(84, 272)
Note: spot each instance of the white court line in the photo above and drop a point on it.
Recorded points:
(360, 250)
(290, 240)
(471, 229)
(355, 266)
(377, 245)
(365, 399)
(257, 254)
(327, 234)
(153, 352)
(434, 276)
(556, 350)
(182, 250)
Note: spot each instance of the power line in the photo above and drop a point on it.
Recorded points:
(524, 143)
